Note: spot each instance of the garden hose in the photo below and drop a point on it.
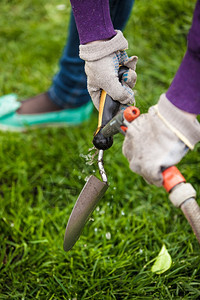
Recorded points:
(181, 194)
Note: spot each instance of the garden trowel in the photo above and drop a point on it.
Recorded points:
(88, 199)
(94, 188)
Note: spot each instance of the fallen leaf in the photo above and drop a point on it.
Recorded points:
(163, 261)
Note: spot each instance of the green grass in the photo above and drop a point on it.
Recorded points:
(42, 172)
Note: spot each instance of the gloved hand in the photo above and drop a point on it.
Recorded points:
(159, 139)
(102, 61)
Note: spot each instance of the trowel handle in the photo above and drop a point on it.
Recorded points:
(107, 110)
(120, 121)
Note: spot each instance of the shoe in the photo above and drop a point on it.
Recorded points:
(10, 120)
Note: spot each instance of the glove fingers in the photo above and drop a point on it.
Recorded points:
(131, 62)
(124, 60)
(122, 57)
(155, 178)
(150, 146)
(118, 92)
(151, 172)
(122, 93)
(129, 78)
(137, 151)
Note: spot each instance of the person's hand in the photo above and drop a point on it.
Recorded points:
(102, 62)
(159, 139)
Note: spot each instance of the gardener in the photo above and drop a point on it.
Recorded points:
(69, 87)
(161, 137)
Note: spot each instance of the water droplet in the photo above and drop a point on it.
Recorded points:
(96, 229)
(122, 213)
(90, 157)
(87, 178)
(93, 148)
(108, 235)
(98, 208)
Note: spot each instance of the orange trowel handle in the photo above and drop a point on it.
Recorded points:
(171, 177)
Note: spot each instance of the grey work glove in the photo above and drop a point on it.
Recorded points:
(102, 61)
(159, 139)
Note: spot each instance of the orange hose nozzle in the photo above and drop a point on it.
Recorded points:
(131, 113)
(171, 177)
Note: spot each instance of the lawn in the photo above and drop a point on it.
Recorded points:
(43, 171)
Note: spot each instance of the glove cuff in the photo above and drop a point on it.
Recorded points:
(187, 129)
(99, 49)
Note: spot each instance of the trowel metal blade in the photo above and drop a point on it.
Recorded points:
(90, 195)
